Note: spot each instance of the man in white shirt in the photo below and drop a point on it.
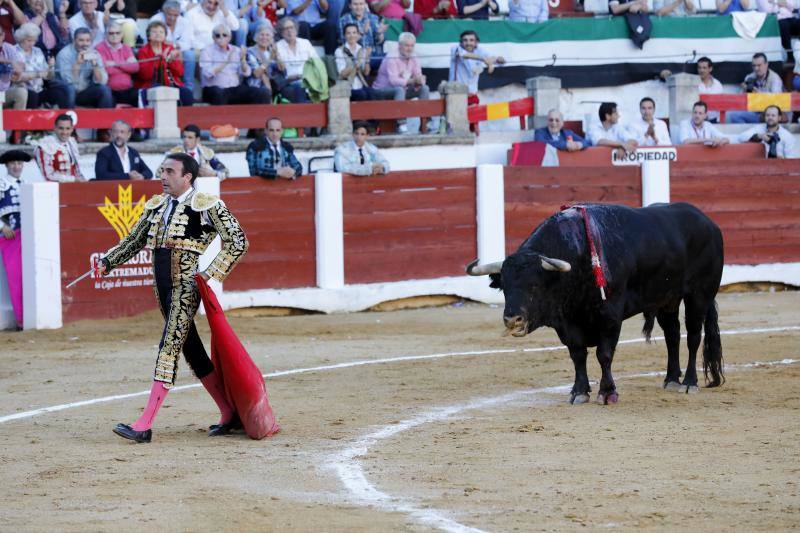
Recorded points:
(697, 130)
(708, 83)
(202, 21)
(180, 35)
(648, 130)
(778, 142)
(91, 19)
(609, 132)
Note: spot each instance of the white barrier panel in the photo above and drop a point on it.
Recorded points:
(491, 214)
(329, 221)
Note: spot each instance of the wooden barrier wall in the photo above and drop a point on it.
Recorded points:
(535, 193)
(85, 230)
(755, 203)
(409, 225)
(278, 218)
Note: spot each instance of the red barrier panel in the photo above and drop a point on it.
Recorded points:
(44, 119)
(94, 217)
(756, 204)
(600, 156)
(534, 193)
(384, 109)
(409, 225)
(278, 219)
(255, 116)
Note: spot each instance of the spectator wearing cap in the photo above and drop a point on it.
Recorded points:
(118, 161)
(557, 136)
(261, 58)
(292, 54)
(179, 36)
(57, 155)
(309, 15)
(468, 60)
(81, 69)
(369, 27)
(88, 18)
(528, 11)
(223, 68)
(160, 64)
(210, 166)
(54, 30)
(11, 226)
(11, 66)
(359, 157)
(435, 9)
(352, 63)
(271, 157)
(121, 65)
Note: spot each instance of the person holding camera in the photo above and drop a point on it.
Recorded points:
(81, 70)
(778, 142)
(761, 80)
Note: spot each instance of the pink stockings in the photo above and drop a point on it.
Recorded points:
(11, 250)
(216, 389)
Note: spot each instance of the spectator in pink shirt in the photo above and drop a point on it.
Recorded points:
(390, 9)
(400, 76)
(121, 65)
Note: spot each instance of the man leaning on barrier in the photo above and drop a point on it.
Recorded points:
(271, 157)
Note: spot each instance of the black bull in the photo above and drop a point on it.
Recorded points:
(653, 258)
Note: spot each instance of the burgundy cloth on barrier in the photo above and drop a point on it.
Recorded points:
(528, 153)
(243, 381)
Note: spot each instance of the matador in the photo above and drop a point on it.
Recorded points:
(178, 226)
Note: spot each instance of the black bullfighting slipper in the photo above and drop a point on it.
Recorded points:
(127, 432)
(224, 429)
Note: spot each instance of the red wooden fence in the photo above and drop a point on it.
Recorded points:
(535, 193)
(278, 219)
(755, 203)
(44, 119)
(409, 225)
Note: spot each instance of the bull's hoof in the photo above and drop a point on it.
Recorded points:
(689, 389)
(607, 399)
(577, 399)
(673, 386)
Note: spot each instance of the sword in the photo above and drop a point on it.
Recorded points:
(84, 275)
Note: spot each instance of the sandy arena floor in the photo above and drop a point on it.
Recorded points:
(456, 441)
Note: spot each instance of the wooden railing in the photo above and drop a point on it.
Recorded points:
(750, 102)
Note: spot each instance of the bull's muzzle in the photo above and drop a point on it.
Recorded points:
(516, 325)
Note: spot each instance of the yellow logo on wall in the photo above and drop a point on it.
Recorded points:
(123, 215)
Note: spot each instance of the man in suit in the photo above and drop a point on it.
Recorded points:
(271, 157)
(118, 161)
(557, 136)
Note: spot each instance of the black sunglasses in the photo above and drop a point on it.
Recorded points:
(221, 35)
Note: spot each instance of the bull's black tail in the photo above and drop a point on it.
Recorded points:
(649, 322)
(712, 349)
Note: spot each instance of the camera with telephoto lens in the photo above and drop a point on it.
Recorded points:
(750, 85)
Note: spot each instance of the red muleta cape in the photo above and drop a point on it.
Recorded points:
(243, 381)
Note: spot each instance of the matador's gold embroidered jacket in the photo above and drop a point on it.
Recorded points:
(193, 225)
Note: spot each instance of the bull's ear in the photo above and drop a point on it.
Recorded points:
(497, 281)
(555, 265)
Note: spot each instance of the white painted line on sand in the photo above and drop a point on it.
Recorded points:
(350, 364)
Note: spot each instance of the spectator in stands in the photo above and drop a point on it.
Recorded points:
(708, 83)
(621, 7)
(160, 64)
(57, 155)
(557, 136)
(697, 130)
(778, 142)
(38, 70)
(292, 52)
(11, 67)
(54, 31)
(352, 63)
(123, 12)
(210, 166)
(528, 11)
(10, 17)
(609, 132)
(241, 10)
(261, 58)
(726, 7)
(674, 8)
(88, 18)
(788, 23)
(400, 76)
(271, 157)
(390, 9)
(435, 9)
(204, 19)
(370, 28)
(309, 15)
(82, 71)
(223, 68)
(477, 9)
(648, 130)
(358, 157)
(264, 10)
(179, 35)
(118, 161)
(120, 64)
(761, 80)
(468, 60)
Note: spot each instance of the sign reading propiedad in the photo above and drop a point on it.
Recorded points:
(645, 154)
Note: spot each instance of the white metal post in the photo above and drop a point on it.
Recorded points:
(329, 221)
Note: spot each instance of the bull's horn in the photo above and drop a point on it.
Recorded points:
(484, 270)
(555, 265)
